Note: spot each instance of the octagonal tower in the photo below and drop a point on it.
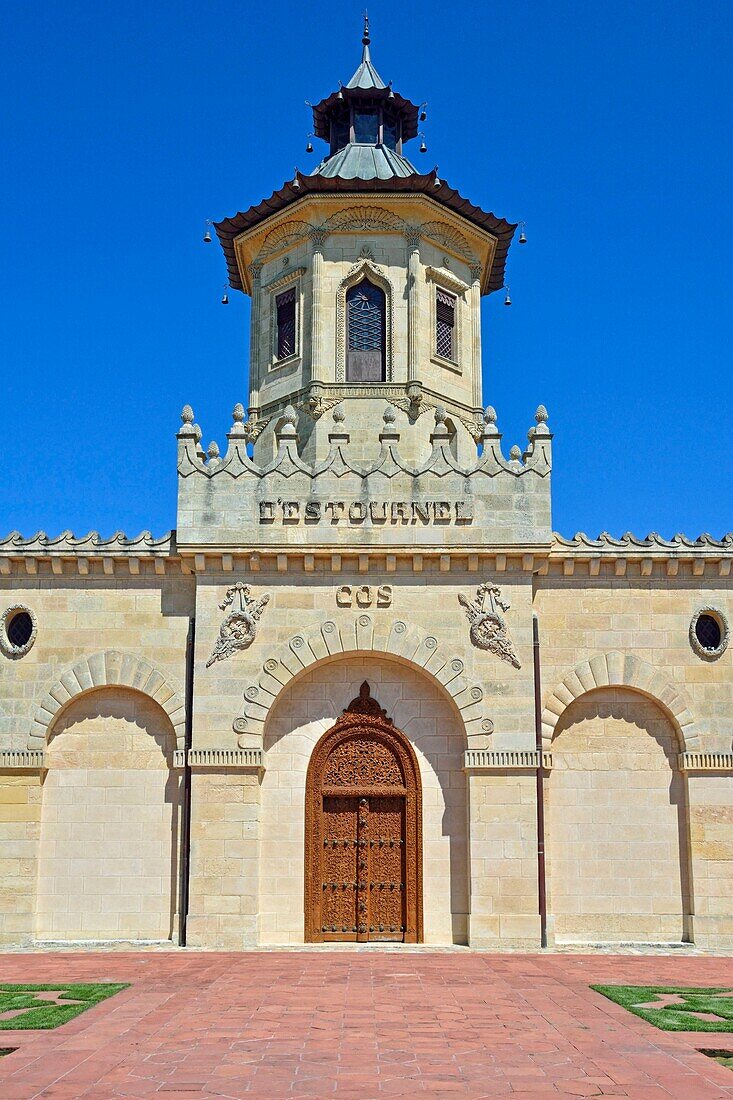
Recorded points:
(366, 279)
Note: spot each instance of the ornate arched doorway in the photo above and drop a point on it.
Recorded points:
(363, 831)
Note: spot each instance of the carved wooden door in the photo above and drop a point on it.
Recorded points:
(363, 834)
(362, 868)
(386, 846)
(338, 913)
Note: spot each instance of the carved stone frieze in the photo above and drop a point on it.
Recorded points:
(315, 404)
(318, 234)
(254, 427)
(449, 237)
(282, 236)
(488, 625)
(475, 428)
(413, 237)
(239, 628)
(358, 219)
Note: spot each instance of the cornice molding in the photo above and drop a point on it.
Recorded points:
(219, 759)
(629, 542)
(706, 762)
(88, 544)
(89, 554)
(644, 557)
(28, 760)
(440, 559)
(447, 279)
(289, 275)
(482, 760)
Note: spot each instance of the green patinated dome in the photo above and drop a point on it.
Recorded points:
(364, 162)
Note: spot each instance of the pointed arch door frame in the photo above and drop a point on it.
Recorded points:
(364, 269)
(366, 767)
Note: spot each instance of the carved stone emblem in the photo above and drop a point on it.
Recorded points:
(488, 625)
(240, 626)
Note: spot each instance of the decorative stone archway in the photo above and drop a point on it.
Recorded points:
(108, 668)
(329, 639)
(617, 669)
(363, 831)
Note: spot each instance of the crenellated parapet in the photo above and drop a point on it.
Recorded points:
(231, 500)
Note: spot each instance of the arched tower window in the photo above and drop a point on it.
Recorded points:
(366, 333)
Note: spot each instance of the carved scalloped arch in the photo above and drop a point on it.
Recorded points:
(617, 669)
(328, 639)
(281, 237)
(357, 219)
(106, 669)
(450, 238)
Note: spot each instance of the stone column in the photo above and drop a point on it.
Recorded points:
(224, 867)
(255, 322)
(20, 812)
(476, 333)
(412, 236)
(318, 239)
(503, 904)
(710, 809)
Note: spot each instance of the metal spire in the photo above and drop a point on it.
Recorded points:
(366, 40)
(366, 76)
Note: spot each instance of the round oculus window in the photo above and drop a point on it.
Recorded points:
(709, 633)
(17, 630)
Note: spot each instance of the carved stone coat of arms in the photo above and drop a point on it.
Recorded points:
(239, 628)
(488, 625)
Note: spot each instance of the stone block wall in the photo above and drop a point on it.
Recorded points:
(503, 860)
(710, 797)
(224, 897)
(20, 827)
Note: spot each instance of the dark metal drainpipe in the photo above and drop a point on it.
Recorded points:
(541, 877)
(186, 807)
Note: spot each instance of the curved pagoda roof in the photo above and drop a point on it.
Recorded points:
(365, 85)
(365, 162)
(374, 168)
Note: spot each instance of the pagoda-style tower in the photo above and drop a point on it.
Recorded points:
(366, 279)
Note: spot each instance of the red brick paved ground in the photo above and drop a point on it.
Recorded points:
(361, 1024)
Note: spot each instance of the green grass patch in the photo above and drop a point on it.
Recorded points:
(33, 1012)
(724, 1057)
(678, 1016)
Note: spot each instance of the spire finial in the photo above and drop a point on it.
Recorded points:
(366, 40)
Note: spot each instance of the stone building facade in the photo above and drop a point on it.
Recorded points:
(363, 692)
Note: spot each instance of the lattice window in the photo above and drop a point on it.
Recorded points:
(708, 632)
(285, 309)
(445, 324)
(366, 317)
(365, 310)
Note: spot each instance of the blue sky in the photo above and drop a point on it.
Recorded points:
(606, 127)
